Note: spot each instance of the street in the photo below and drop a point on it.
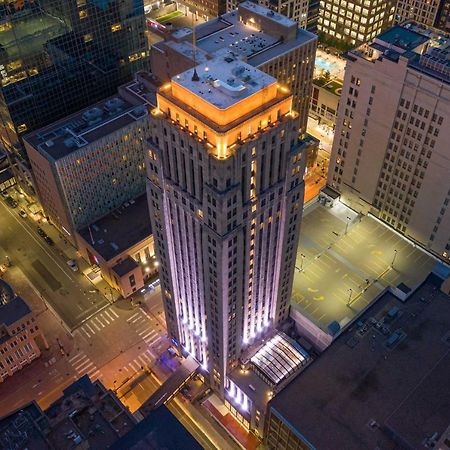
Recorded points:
(69, 293)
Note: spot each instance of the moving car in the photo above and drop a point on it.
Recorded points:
(23, 214)
(49, 240)
(41, 232)
(73, 265)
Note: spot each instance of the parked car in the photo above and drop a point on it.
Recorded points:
(49, 240)
(41, 232)
(23, 214)
(4, 194)
(73, 265)
(11, 202)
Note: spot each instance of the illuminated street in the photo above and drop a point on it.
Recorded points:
(69, 293)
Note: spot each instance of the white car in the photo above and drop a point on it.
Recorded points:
(23, 214)
(73, 265)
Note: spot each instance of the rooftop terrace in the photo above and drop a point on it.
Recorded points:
(383, 383)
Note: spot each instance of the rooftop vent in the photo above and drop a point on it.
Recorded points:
(229, 89)
(114, 105)
(93, 115)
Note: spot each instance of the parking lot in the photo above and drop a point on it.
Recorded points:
(344, 261)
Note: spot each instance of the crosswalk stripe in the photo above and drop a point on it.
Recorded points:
(86, 333)
(84, 366)
(93, 369)
(100, 322)
(132, 366)
(90, 329)
(136, 320)
(132, 317)
(77, 356)
(113, 312)
(147, 358)
(146, 314)
(95, 374)
(105, 319)
(143, 361)
(146, 333)
(96, 326)
(152, 340)
(109, 315)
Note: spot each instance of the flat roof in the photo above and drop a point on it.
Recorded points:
(119, 230)
(13, 310)
(354, 255)
(125, 266)
(224, 82)
(159, 430)
(256, 47)
(384, 380)
(78, 130)
(402, 37)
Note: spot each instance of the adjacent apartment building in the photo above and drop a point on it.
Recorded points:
(225, 191)
(390, 155)
(20, 335)
(256, 35)
(345, 24)
(57, 57)
(426, 12)
(90, 163)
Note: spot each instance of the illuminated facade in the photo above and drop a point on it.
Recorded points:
(57, 57)
(225, 194)
(256, 35)
(391, 146)
(351, 23)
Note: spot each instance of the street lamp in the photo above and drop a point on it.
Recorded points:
(393, 259)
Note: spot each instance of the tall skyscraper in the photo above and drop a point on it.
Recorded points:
(390, 154)
(257, 35)
(225, 190)
(352, 23)
(58, 56)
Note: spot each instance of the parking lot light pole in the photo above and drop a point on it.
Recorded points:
(346, 225)
(393, 259)
(301, 264)
(350, 297)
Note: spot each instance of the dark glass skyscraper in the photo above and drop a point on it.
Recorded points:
(58, 56)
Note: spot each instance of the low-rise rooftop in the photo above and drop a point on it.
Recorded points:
(13, 311)
(120, 230)
(382, 383)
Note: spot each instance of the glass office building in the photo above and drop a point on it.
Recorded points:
(58, 56)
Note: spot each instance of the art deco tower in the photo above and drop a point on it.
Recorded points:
(225, 189)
